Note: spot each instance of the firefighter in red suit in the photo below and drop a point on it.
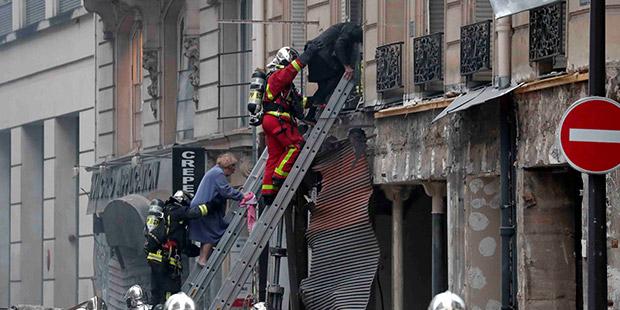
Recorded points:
(281, 104)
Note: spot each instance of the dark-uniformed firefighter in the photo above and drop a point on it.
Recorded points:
(282, 104)
(167, 240)
(333, 59)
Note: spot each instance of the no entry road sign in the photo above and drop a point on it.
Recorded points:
(590, 135)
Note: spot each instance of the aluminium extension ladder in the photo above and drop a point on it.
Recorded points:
(197, 284)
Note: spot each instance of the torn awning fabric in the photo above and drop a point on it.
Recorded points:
(475, 97)
(345, 251)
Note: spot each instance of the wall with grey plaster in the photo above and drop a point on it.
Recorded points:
(482, 243)
(5, 216)
(66, 211)
(32, 214)
(547, 238)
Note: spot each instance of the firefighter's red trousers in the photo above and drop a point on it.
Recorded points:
(283, 142)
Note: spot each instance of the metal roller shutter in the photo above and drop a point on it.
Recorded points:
(68, 5)
(35, 11)
(345, 252)
(6, 18)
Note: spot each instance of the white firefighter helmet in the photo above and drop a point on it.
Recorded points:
(135, 298)
(180, 301)
(447, 301)
(259, 306)
(283, 57)
(183, 197)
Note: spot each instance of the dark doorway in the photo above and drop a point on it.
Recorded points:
(417, 250)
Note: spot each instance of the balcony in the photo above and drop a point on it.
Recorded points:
(475, 48)
(389, 60)
(427, 58)
(547, 31)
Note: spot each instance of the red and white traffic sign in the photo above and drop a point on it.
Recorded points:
(590, 135)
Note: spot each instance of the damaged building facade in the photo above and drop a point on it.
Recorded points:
(476, 103)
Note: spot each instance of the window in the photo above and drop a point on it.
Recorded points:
(6, 17)
(68, 5)
(548, 37)
(35, 11)
(136, 87)
(245, 58)
(435, 16)
(351, 11)
(484, 11)
(185, 94)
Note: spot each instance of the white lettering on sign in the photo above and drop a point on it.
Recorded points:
(188, 154)
(187, 174)
(594, 135)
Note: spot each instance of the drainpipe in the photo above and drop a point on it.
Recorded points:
(437, 190)
(504, 46)
(507, 128)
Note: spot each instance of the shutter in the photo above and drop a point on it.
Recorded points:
(68, 5)
(35, 11)
(298, 31)
(355, 11)
(484, 11)
(435, 8)
(6, 18)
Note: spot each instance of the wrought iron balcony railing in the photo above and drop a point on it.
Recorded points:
(427, 58)
(547, 31)
(389, 60)
(476, 47)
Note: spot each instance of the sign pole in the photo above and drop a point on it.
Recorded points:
(597, 245)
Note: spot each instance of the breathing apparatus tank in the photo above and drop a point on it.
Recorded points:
(255, 98)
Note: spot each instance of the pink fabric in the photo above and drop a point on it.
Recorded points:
(249, 201)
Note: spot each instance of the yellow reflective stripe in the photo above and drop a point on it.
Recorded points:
(269, 94)
(279, 114)
(159, 258)
(203, 209)
(269, 186)
(279, 170)
(296, 65)
(305, 102)
(155, 257)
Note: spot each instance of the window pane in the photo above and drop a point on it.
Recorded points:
(68, 5)
(6, 17)
(35, 11)
(185, 107)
